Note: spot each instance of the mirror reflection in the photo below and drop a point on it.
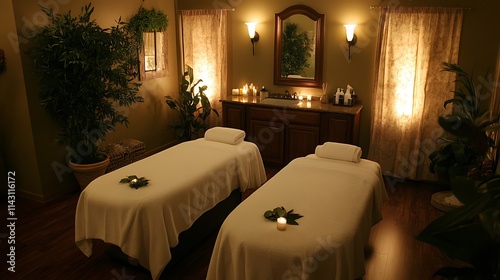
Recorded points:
(298, 57)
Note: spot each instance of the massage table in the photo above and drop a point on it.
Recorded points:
(340, 200)
(185, 181)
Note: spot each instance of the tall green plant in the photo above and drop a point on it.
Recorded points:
(465, 147)
(193, 106)
(84, 72)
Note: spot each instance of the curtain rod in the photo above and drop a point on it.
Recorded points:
(224, 9)
(464, 8)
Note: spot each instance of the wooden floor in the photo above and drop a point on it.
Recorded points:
(45, 247)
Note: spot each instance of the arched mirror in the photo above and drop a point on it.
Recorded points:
(298, 47)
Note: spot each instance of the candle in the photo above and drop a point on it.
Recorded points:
(309, 98)
(281, 223)
(301, 97)
(236, 91)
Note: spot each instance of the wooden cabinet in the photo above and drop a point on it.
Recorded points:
(233, 115)
(341, 128)
(283, 134)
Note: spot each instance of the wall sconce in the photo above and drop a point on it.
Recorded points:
(254, 36)
(351, 38)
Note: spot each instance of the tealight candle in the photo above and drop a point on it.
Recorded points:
(301, 97)
(309, 98)
(134, 181)
(281, 223)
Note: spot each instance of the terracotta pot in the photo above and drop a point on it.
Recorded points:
(86, 173)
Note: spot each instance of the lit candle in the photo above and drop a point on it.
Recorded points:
(134, 181)
(301, 97)
(281, 223)
(309, 98)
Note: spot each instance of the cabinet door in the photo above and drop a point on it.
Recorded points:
(270, 138)
(301, 140)
(233, 115)
(338, 128)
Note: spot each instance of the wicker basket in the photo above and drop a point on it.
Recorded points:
(124, 152)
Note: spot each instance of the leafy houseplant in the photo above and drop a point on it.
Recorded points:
(147, 21)
(464, 151)
(296, 50)
(471, 234)
(85, 71)
(193, 106)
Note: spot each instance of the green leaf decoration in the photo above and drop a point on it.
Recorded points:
(277, 212)
(134, 181)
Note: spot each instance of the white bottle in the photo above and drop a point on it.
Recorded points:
(337, 96)
(341, 97)
(347, 97)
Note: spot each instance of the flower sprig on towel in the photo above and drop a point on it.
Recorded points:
(134, 181)
(281, 212)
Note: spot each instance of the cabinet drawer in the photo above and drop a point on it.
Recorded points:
(284, 115)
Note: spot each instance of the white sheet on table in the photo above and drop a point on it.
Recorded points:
(339, 200)
(185, 181)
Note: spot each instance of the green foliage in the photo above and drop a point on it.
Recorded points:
(194, 107)
(135, 182)
(277, 212)
(467, 143)
(84, 72)
(470, 233)
(147, 21)
(296, 51)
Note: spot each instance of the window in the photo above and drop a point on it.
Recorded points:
(153, 56)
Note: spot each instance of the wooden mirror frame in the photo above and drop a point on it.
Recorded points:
(320, 31)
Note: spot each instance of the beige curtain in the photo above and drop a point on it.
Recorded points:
(204, 47)
(410, 89)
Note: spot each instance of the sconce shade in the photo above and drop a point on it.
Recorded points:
(349, 30)
(251, 29)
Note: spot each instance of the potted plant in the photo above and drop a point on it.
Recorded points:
(463, 152)
(193, 106)
(85, 71)
(470, 234)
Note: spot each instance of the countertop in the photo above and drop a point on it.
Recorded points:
(314, 105)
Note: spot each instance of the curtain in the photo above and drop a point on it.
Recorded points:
(204, 47)
(410, 89)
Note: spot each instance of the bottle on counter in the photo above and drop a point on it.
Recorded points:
(264, 93)
(348, 97)
(337, 96)
(341, 97)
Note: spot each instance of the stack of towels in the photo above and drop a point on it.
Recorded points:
(225, 135)
(339, 151)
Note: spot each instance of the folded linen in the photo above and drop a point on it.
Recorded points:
(339, 151)
(225, 135)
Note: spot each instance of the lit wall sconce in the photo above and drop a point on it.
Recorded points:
(351, 38)
(254, 36)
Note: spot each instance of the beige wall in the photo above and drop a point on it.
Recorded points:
(34, 140)
(479, 45)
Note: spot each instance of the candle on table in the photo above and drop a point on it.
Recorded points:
(281, 223)
(309, 98)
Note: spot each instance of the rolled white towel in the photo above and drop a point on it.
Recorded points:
(225, 135)
(339, 151)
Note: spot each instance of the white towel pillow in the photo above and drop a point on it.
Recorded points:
(339, 151)
(225, 135)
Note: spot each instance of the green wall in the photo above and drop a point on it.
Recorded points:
(479, 45)
(30, 148)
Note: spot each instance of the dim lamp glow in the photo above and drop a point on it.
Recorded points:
(251, 29)
(349, 30)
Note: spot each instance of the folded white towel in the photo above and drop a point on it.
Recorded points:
(225, 135)
(339, 151)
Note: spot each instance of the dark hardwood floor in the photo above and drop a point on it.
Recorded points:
(45, 246)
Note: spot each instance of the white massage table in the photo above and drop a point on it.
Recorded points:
(185, 181)
(340, 201)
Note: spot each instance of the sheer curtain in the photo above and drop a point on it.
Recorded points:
(410, 89)
(204, 47)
